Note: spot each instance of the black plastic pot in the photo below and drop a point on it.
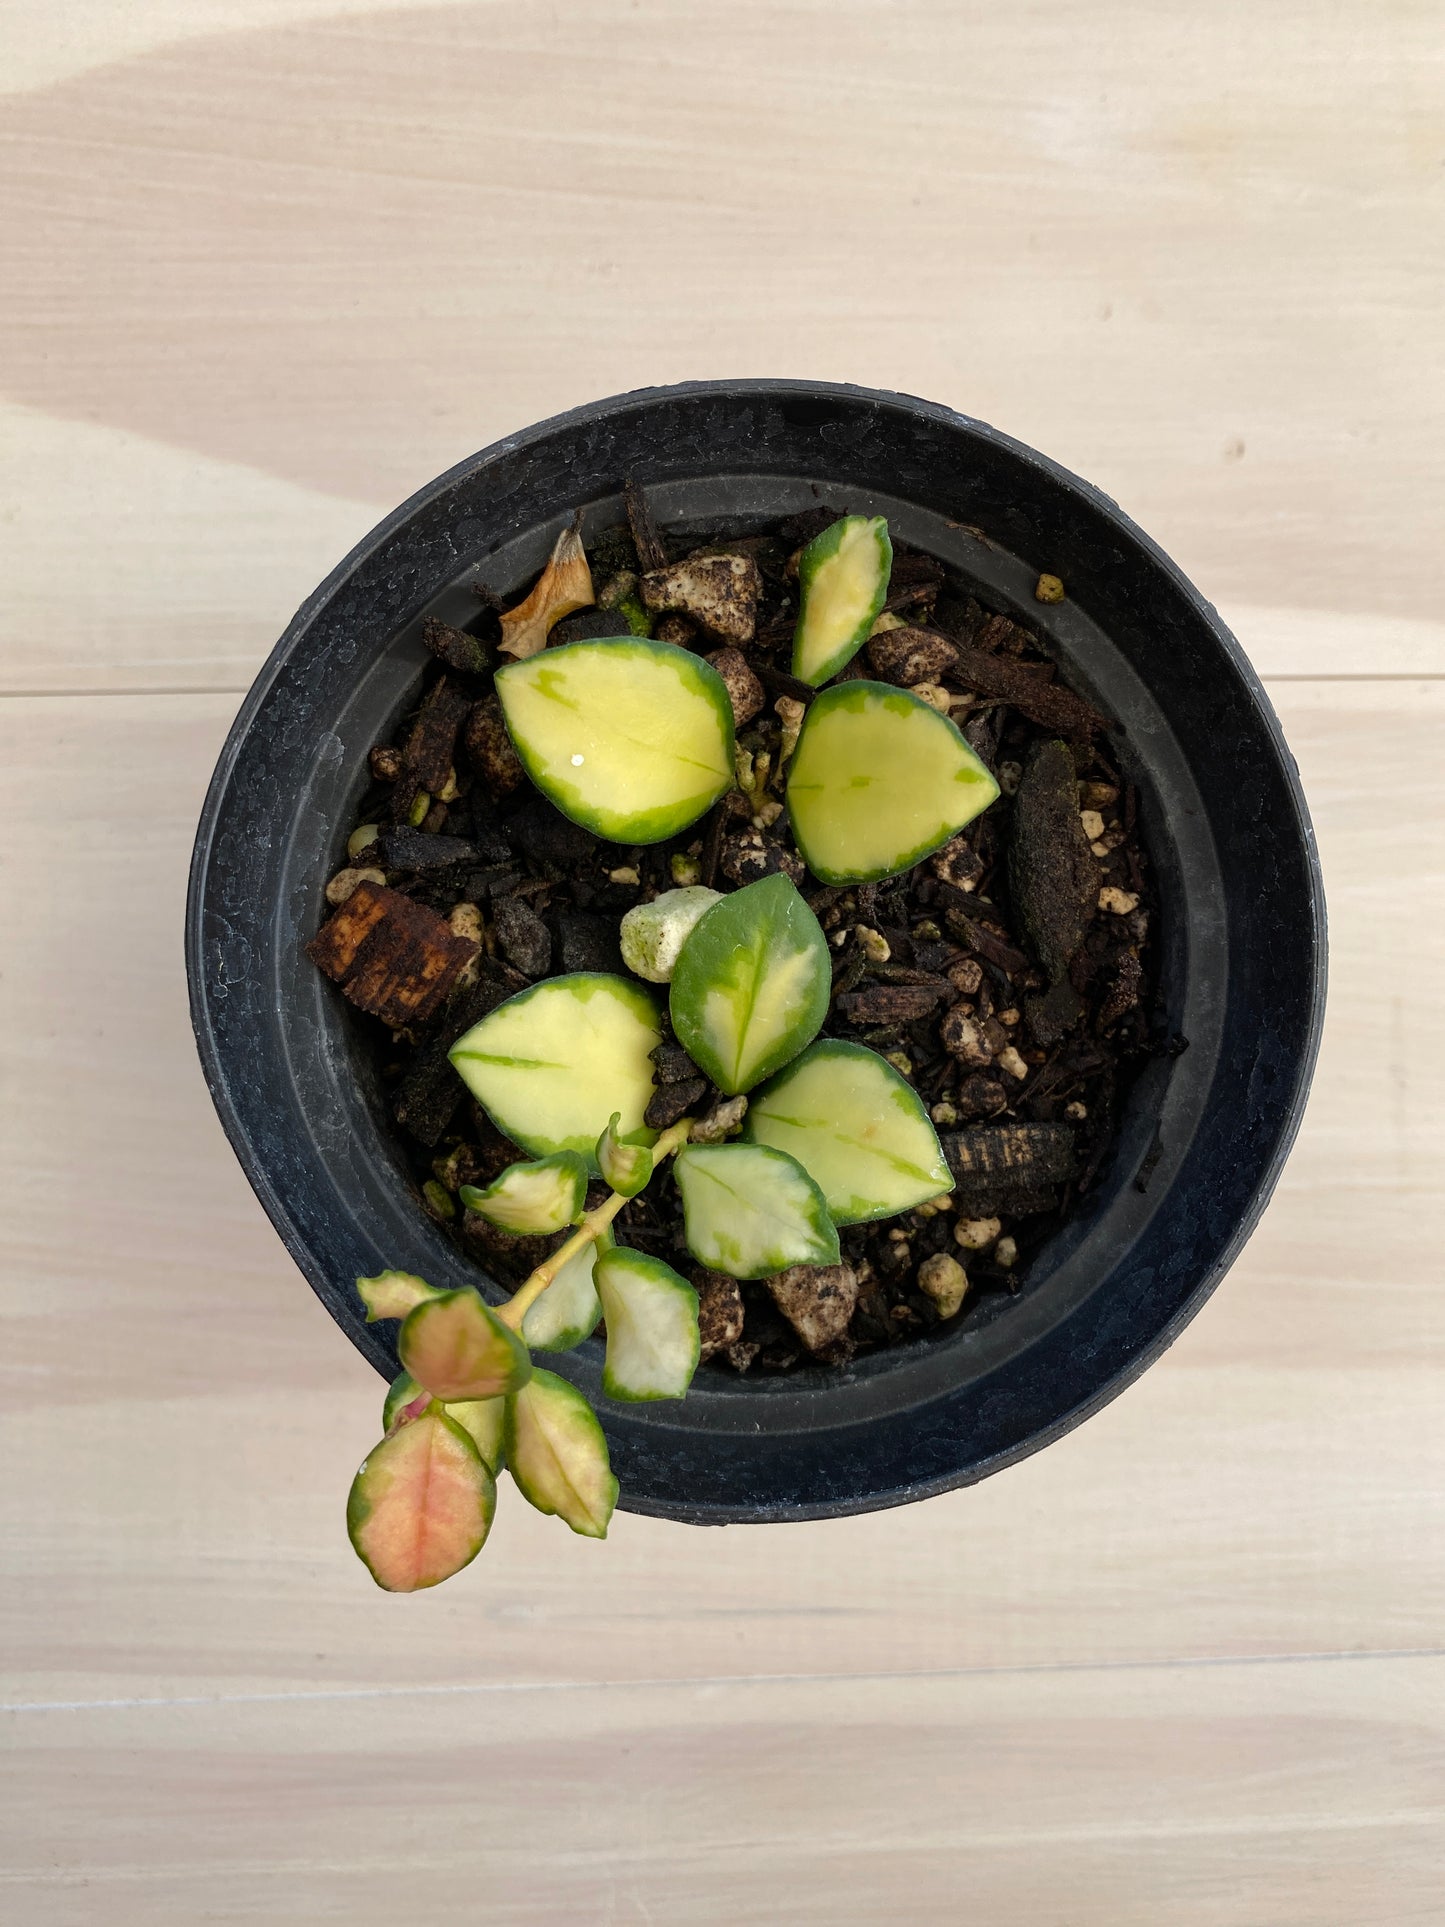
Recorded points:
(1242, 939)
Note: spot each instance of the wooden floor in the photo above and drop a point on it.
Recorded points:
(270, 264)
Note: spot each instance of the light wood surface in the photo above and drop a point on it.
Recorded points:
(269, 266)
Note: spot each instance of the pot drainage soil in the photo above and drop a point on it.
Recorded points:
(1007, 976)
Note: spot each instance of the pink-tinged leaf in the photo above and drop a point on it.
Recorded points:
(392, 1294)
(421, 1505)
(456, 1346)
(557, 1454)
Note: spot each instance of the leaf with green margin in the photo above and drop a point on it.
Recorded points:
(392, 1294)
(879, 779)
(537, 1198)
(625, 1162)
(630, 738)
(652, 1336)
(750, 1210)
(568, 1310)
(752, 984)
(557, 1454)
(859, 1128)
(457, 1348)
(421, 1505)
(551, 1065)
(484, 1421)
(843, 583)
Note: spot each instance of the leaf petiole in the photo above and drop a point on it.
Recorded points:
(593, 1224)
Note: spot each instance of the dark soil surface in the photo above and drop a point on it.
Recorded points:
(1008, 977)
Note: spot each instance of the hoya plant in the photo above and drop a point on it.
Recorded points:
(633, 739)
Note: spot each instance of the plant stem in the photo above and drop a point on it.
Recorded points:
(587, 1232)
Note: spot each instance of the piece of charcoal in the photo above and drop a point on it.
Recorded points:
(891, 1003)
(511, 1253)
(490, 750)
(672, 1065)
(994, 1163)
(392, 957)
(587, 625)
(646, 538)
(427, 1098)
(673, 1101)
(587, 943)
(1053, 1015)
(980, 1096)
(455, 647)
(522, 937)
(1053, 877)
(428, 755)
(797, 531)
(402, 848)
(719, 1312)
(549, 840)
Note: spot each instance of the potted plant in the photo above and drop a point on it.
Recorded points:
(747, 798)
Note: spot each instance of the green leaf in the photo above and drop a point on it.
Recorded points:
(752, 984)
(558, 1455)
(652, 1336)
(630, 738)
(458, 1348)
(392, 1294)
(879, 778)
(538, 1198)
(751, 1210)
(843, 575)
(421, 1505)
(401, 1392)
(553, 1063)
(484, 1421)
(625, 1162)
(568, 1310)
(858, 1127)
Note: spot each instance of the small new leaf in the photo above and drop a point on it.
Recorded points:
(558, 1455)
(402, 1391)
(537, 1198)
(624, 1162)
(481, 1418)
(392, 1294)
(458, 1348)
(751, 1211)
(751, 986)
(421, 1505)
